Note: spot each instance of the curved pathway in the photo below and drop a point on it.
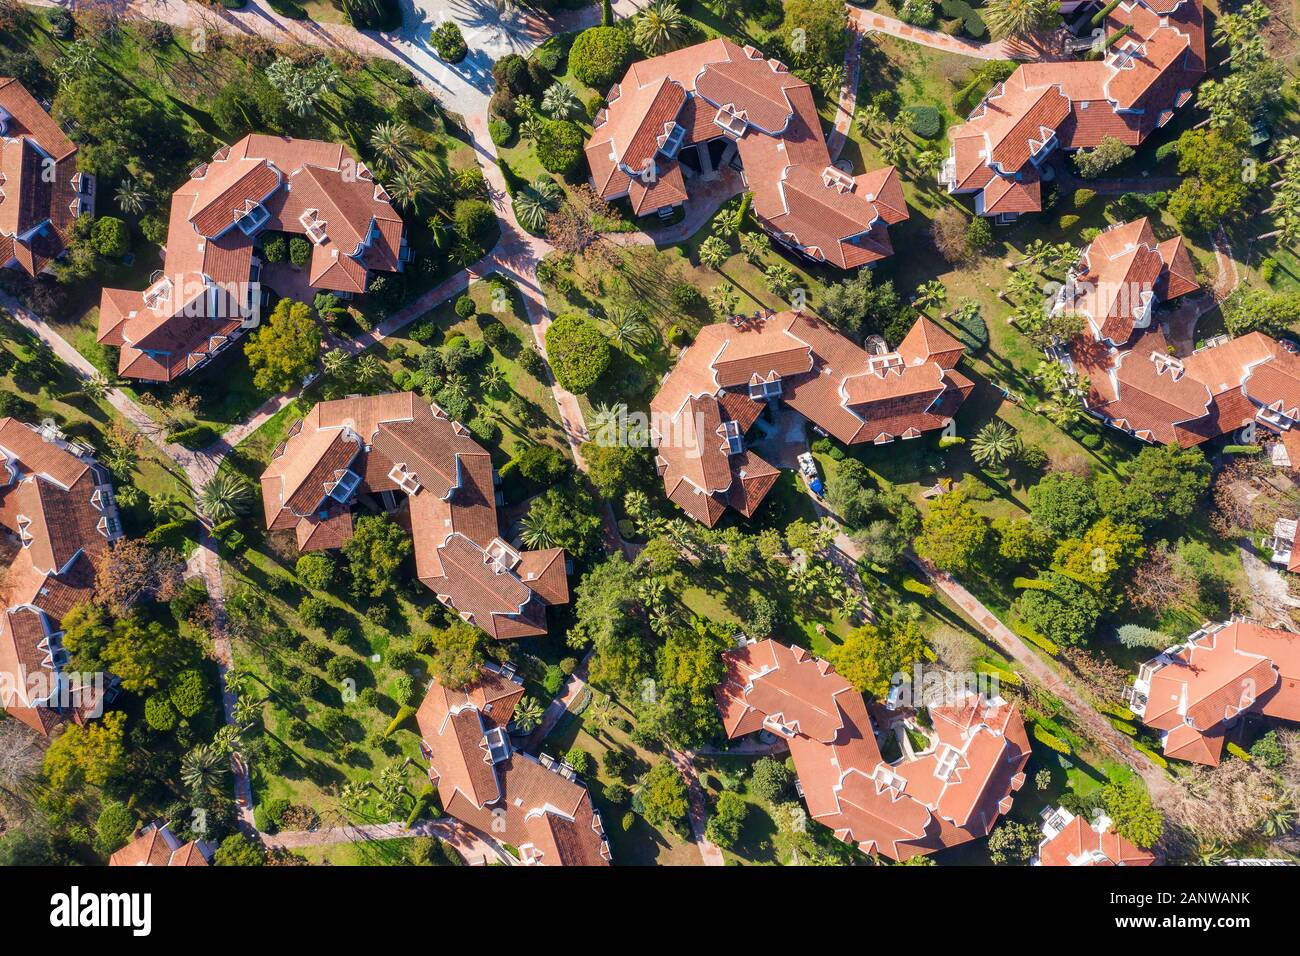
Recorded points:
(473, 847)
(869, 22)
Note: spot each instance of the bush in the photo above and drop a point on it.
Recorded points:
(599, 55)
(559, 145)
(188, 692)
(1068, 222)
(501, 131)
(979, 234)
(474, 219)
(578, 350)
(373, 14)
(61, 23)
(159, 713)
(553, 680)
(195, 437)
(1050, 740)
(275, 248)
(315, 612)
(299, 251)
(110, 237)
(925, 121)
(532, 363)
(343, 667)
(268, 814)
(465, 307)
(449, 42)
(316, 570)
(1084, 196)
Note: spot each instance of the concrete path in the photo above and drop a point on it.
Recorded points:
(474, 848)
(1098, 726)
(710, 853)
(568, 698)
(869, 22)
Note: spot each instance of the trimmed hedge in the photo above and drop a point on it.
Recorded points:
(925, 121)
(1050, 740)
(599, 55)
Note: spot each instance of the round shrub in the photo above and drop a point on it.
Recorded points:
(187, 692)
(316, 570)
(925, 121)
(1068, 222)
(315, 612)
(599, 56)
(299, 251)
(449, 42)
(532, 363)
(274, 248)
(474, 218)
(268, 813)
(159, 713)
(465, 307)
(110, 237)
(404, 690)
(578, 351)
(501, 131)
(559, 145)
(1083, 196)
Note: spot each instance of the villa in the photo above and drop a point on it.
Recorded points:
(683, 116)
(535, 805)
(57, 506)
(156, 845)
(41, 189)
(1070, 840)
(949, 793)
(208, 292)
(1155, 58)
(397, 454)
(722, 382)
(1195, 692)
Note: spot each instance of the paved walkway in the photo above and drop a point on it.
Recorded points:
(869, 22)
(476, 850)
(571, 694)
(710, 853)
(1098, 726)
(848, 94)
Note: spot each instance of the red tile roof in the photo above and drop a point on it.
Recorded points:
(1076, 104)
(1080, 843)
(41, 191)
(703, 407)
(196, 305)
(1194, 691)
(799, 196)
(158, 846)
(947, 795)
(58, 506)
(1147, 391)
(1122, 274)
(443, 482)
(509, 796)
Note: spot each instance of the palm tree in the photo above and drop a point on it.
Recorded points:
(407, 186)
(392, 141)
(1011, 18)
(456, 385)
(714, 252)
(753, 245)
(723, 300)
(530, 128)
(369, 369)
(536, 202)
(780, 279)
(658, 26)
(491, 379)
(225, 496)
(336, 362)
(928, 294)
(534, 533)
(131, 196)
(528, 714)
(77, 60)
(204, 769)
(1279, 818)
(246, 711)
(871, 118)
(560, 101)
(627, 327)
(1023, 285)
(893, 146)
(995, 443)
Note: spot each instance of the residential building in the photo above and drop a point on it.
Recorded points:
(57, 507)
(398, 454)
(1070, 840)
(156, 845)
(721, 383)
(1247, 385)
(535, 805)
(1155, 58)
(1283, 543)
(1194, 693)
(41, 189)
(1121, 277)
(208, 292)
(947, 794)
(683, 116)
